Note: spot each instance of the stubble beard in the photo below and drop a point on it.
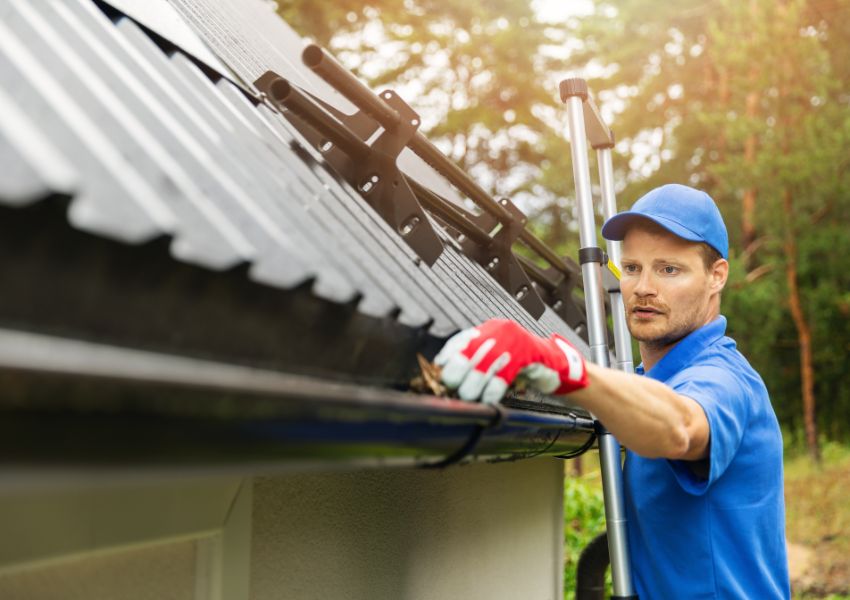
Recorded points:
(659, 342)
(673, 333)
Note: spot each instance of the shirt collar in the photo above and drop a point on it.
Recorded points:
(686, 350)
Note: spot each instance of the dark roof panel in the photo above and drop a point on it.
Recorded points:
(148, 144)
(159, 17)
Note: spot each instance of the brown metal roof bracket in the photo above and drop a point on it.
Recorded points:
(372, 169)
(556, 288)
(394, 115)
(369, 167)
(498, 259)
(554, 285)
(564, 303)
(454, 219)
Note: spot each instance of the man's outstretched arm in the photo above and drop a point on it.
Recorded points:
(645, 415)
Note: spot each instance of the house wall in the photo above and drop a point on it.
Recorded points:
(478, 531)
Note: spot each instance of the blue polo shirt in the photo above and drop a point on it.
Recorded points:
(719, 534)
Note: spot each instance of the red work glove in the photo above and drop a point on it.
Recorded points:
(484, 361)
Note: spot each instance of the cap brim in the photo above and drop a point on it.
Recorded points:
(616, 227)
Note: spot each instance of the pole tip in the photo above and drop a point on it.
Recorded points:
(312, 55)
(280, 89)
(607, 145)
(574, 87)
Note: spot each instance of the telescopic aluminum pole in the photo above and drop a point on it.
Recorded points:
(574, 94)
(622, 339)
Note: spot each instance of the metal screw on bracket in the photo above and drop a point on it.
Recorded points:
(409, 225)
(493, 263)
(522, 293)
(369, 183)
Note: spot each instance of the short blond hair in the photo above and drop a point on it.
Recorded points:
(709, 255)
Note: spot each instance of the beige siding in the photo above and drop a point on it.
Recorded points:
(161, 572)
(479, 531)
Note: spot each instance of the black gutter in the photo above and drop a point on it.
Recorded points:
(73, 403)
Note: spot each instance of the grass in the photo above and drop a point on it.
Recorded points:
(818, 517)
(817, 502)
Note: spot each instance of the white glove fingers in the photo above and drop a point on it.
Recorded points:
(476, 380)
(455, 371)
(472, 385)
(455, 345)
(459, 368)
(541, 377)
(494, 391)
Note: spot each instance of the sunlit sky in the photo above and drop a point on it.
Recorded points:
(643, 150)
(558, 11)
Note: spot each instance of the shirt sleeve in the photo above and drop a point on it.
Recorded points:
(726, 403)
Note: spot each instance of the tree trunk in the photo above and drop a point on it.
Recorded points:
(577, 467)
(804, 334)
(748, 208)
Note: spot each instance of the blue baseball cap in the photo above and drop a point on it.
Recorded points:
(683, 211)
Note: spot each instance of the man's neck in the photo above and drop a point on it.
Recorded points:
(651, 354)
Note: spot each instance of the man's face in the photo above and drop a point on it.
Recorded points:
(666, 289)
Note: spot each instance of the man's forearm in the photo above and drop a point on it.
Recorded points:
(645, 415)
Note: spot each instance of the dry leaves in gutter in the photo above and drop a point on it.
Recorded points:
(428, 381)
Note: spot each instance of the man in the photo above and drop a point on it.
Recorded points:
(703, 471)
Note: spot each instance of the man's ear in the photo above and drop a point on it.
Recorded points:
(718, 274)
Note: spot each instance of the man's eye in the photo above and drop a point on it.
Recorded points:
(670, 270)
(630, 268)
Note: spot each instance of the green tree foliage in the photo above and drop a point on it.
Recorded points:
(748, 101)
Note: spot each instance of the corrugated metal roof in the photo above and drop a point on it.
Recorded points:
(148, 143)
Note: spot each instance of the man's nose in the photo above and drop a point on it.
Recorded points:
(645, 285)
